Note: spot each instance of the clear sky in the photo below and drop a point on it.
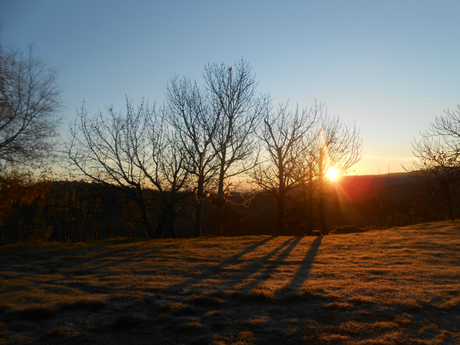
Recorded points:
(388, 66)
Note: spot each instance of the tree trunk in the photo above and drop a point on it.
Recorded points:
(305, 208)
(219, 208)
(170, 224)
(281, 214)
(162, 221)
(310, 204)
(198, 211)
(145, 220)
(322, 218)
(220, 192)
(199, 206)
(281, 192)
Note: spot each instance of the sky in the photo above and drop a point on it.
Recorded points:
(389, 67)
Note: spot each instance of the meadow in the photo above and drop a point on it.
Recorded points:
(395, 286)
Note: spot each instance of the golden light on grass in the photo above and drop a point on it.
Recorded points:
(363, 288)
(332, 174)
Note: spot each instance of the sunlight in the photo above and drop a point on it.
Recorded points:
(332, 174)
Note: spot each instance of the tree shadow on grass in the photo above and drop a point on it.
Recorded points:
(268, 267)
(215, 270)
(72, 266)
(132, 258)
(296, 283)
(59, 258)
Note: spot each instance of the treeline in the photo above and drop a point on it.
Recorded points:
(80, 211)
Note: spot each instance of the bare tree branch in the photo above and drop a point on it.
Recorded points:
(232, 92)
(282, 136)
(29, 106)
(104, 150)
(437, 155)
(195, 122)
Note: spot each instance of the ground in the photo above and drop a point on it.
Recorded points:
(396, 286)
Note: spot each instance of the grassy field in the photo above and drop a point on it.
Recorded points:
(398, 286)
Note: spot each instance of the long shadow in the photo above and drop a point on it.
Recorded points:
(41, 255)
(235, 257)
(272, 265)
(218, 268)
(255, 266)
(132, 258)
(123, 253)
(302, 272)
(58, 259)
(85, 265)
(83, 270)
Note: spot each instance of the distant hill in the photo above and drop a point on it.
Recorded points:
(392, 178)
(360, 188)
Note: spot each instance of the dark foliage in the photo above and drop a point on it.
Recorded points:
(77, 211)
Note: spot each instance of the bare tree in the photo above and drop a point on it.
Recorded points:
(336, 146)
(164, 162)
(29, 106)
(447, 127)
(437, 156)
(305, 171)
(104, 150)
(330, 145)
(282, 137)
(195, 121)
(232, 91)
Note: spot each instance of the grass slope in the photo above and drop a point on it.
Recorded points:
(399, 286)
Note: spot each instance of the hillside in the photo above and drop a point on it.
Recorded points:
(364, 187)
(396, 286)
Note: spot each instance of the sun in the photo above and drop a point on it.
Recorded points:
(332, 174)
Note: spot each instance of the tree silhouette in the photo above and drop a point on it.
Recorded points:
(29, 105)
(232, 91)
(437, 156)
(337, 146)
(281, 136)
(330, 144)
(164, 163)
(195, 122)
(106, 150)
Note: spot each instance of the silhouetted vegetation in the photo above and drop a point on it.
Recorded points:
(437, 157)
(30, 103)
(171, 171)
(79, 211)
(282, 137)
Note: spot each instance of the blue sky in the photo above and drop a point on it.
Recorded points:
(388, 66)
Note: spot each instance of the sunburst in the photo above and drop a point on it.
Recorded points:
(332, 174)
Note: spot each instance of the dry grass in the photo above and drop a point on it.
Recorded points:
(399, 286)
